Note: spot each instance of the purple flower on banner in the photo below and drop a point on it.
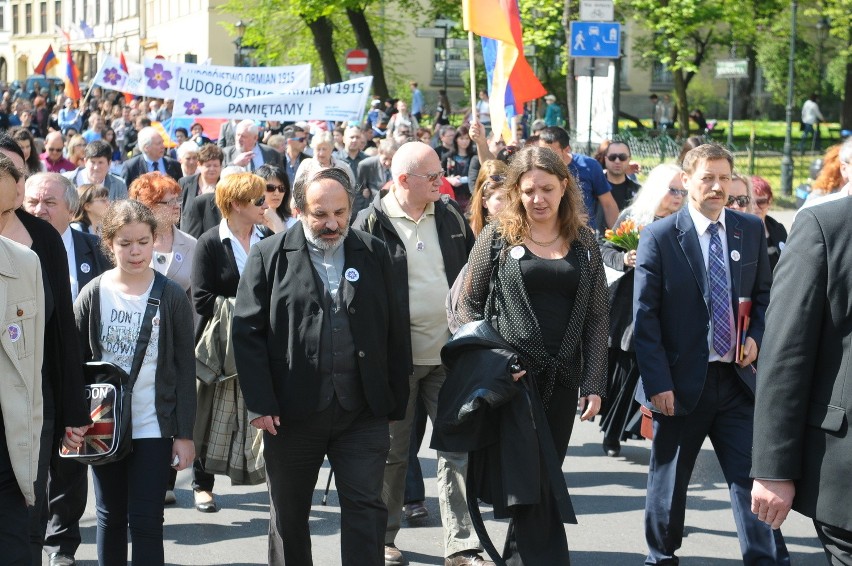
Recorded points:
(193, 107)
(158, 77)
(112, 76)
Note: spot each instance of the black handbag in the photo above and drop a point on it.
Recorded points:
(110, 394)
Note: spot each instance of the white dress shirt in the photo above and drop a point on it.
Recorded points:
(240, 255)
(68, 241)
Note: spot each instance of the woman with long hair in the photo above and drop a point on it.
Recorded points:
(277, 217)
(661, 194)
(130, 492)
(456, 165)
(27, 142)
(77, 150)
(94, 202)
(546, 298)
(489, 195)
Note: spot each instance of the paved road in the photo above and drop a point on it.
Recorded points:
(608, 495)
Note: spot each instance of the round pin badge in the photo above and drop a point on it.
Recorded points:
(178, 257)
(14, 332)
(517, 252)
(735, 255)
(781, 246)
(155, 321)
(85, 267)
(420, 246)
(352, 275)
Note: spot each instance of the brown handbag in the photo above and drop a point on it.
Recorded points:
(646, 428)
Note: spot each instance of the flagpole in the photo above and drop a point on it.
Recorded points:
(470, 51)
(91, 87)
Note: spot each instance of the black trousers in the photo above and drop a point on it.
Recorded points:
(14, 532)
(837, 543)
(67, 491)
(356, 443)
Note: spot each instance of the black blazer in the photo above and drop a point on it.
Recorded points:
(214, 274)
(90, 260)
(620, 299)
(188, 191)
(136, 166)
(776, 241)
(63, 362)
(671, 302)
(803, 406)
(200, 215)
(278, 323)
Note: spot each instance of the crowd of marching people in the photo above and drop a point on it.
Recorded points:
(283, 293)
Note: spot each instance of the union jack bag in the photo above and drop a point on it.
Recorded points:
(110, 390)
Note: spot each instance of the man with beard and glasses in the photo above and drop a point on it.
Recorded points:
(313, 330)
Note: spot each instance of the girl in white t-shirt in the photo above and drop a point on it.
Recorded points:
(109, 313)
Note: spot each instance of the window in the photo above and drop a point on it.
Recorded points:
(110, 12)
(15, 24)
(28, 18)
(57, 12)
(73, 11)
(97, 11)
(661, 77)
(2, 19)
(42, 15)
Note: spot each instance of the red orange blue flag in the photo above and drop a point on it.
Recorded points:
(72, 78)
(48, 61)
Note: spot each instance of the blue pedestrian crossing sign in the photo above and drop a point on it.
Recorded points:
(595, 39)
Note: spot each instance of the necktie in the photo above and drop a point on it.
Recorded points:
(720, 302)
(155, 166)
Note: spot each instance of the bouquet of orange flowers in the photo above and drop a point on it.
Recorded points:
(625, 236)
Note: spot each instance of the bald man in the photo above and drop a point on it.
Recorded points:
(54, 161)
(247, 152)
(429, 242)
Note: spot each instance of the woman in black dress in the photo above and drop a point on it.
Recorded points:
(776, 234)
(662, 194)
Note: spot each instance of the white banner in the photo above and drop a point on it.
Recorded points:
(158, 78)
(209, 97)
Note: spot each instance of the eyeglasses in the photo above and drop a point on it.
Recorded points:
(675, 192)
(742, 201)
(618, 157)
(259, 201)
(431, 177)
(761, 202)
(280, 188)
(403, 133)
(54, 150)
(497, 178)
(299, 139)
(172, 202)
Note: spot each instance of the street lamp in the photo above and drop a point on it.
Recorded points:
(787, 158)
(822, 27)
(241, 31)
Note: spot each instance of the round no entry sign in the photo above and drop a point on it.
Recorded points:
(356, 61)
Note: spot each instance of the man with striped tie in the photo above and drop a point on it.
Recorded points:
(693, 270)
(246, 151)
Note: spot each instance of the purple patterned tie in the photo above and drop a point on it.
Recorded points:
(720, 302)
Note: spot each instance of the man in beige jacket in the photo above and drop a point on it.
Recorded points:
(22, 338)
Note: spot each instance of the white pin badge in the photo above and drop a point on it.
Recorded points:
(735, 255)
(517, 252)
(155, 321)
(420, 246)
(85, 267)
(781, 246)
(14, 332)
(178, 257)
(352, 275)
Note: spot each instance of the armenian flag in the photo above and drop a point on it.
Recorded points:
(72, 78)
(511, 80)
(48, 61)
(127, 96)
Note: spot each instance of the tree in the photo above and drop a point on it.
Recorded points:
(840, 17)
(680, 36)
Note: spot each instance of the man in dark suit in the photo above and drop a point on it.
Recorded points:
(802, 448)
(294, 153)
(151, 158)
(53, 197)
(246, 151)
(314, 330)
(375, 172)
(200, 215)
(692, 267)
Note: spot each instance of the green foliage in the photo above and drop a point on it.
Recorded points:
(773, 57)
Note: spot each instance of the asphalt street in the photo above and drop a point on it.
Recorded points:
(608, 495)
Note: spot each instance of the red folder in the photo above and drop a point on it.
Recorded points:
(743, 319)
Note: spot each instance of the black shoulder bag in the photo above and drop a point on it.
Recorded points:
(110, 394)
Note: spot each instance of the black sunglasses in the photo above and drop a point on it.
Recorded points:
(741, 201)
(259, 201)
(678, 192)
(272, 188)
(497, 178)
(618, 157)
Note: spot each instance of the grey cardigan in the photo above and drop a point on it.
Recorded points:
(175, 378)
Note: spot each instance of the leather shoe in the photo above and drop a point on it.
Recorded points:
(204, 502)
(59, 559)
(466, 558)
(415, 510)
(612, 449)
(393, 556)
